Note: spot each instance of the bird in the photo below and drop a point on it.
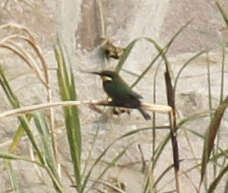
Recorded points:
(120, 93)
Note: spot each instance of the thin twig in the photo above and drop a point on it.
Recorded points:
(26, 109)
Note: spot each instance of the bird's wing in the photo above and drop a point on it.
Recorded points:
(134, 94)
(129, 91)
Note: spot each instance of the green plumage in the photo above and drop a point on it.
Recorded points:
(120, 93)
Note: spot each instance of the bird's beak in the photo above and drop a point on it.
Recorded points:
(97, 73)
(103, 77)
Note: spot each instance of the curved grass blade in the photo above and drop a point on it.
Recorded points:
(90, 152)
(218, 179)
(192, 118)
(125, 55)
(210, 136)
(10, 156)
(161, 52)
(162, 175)
(85, 181)
(54, 180)
(23, 119)
(159, 150)
(185, 65)
(223, 13)
(113, 162)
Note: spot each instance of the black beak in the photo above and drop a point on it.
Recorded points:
(96, 73)
(88, 72)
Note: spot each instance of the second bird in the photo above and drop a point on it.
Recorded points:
(120, 93)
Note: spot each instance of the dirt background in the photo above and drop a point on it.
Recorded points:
(78, 25)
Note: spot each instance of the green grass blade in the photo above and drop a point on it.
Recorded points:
(160, 51)
(217, 180)
(184, 66)
(25, 124)
(72, 122)
(46, 140)
(192, 118)
(12, 148)
(125, 55)
(210, 136)
(54, 179)
(113, 162)
(222, 74)
(159, 150)
(13, 178)
(105, 151)
(23, 120)
(90, 151)
(159, 178)
(17, 137)
(10, 156)
(8, 91)
(209, 86)
(223, 13)
(27, 127)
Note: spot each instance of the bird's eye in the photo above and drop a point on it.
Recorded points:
(106, 78)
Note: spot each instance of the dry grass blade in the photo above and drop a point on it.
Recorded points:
(19, 28)
(10, 43)
(210, 136)
(27, 109)
(35, 47)
(173, 127)
(25, 57)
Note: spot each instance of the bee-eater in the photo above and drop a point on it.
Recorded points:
(120, 93)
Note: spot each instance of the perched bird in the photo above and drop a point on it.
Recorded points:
(120, 93)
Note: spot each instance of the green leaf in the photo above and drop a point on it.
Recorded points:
(72, 122)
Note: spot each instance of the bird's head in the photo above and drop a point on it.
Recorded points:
(107, 76)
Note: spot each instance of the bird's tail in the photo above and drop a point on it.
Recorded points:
(144, 113)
